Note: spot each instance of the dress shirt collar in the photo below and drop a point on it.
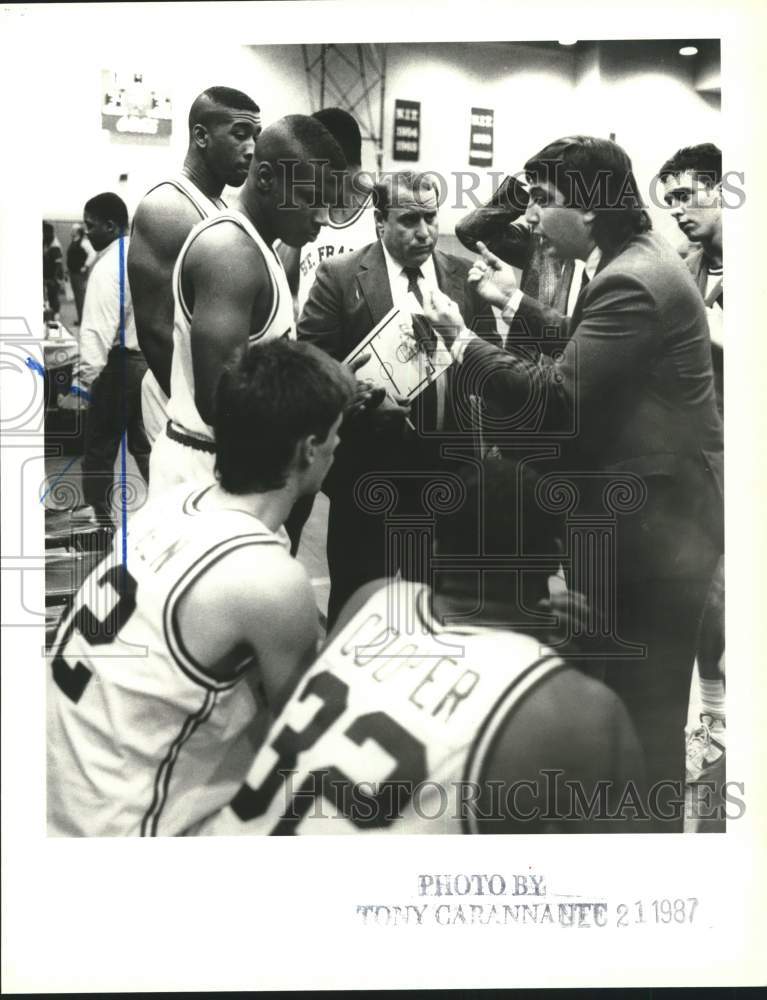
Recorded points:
(592, 262)
(394, 270)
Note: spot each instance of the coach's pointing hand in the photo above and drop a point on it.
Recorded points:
(493, 280)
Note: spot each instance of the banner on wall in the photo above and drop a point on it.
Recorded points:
(133, 104)
(407, 130)
(481, 138)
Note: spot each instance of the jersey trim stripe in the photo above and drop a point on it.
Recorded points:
(181, 655)
(162, 779)
(184, 187)
(244, 226)
(427, 619)
(355, 218)
(504, 708)
(193, 500)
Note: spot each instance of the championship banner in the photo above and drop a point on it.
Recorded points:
(131, 105)
(407, 130)
(481, 138)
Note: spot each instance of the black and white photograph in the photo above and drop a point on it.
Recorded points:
(364, 450)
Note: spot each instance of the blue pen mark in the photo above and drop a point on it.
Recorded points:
(57, 478)
(124, 441)
(35, 366)
(74, 390)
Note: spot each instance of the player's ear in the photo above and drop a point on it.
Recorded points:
(200, 136)
(305, 453)
(379, 221)
(265, 177)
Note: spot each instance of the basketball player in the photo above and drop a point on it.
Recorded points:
(174, 654)
(229, 286)
(223, 127)
(351, 225)
(431, 711)
(692, 182)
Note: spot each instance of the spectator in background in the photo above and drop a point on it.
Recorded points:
(53, 269)
(80, 258)
(107, 377)
(692, 182)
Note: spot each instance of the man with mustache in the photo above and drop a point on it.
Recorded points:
(350, 295)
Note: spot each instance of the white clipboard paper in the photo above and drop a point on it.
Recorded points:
(397, 362)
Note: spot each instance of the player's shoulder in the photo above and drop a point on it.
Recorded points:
(222, 242)
(166, 205)
(564, 719)
(584, 697)
(256, 567)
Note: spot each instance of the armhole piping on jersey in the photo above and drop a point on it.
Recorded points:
(187, 194)
(210, 220)
(275, 298)
(429, 622)
(355, 218)
(162, 778)
(191, 505)
(505, 707)
(180, 654)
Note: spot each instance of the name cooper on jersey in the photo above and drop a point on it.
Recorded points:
(438, 690)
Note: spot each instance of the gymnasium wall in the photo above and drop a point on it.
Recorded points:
(90, 159)
(652, 102)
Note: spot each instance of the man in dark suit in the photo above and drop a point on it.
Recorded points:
(629, 387)
(396, 445)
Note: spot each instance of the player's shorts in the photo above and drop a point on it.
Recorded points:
(172, 463)
(154, 406)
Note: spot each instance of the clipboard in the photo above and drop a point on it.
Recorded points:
(397, 362)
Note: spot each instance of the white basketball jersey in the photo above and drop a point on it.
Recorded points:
(280, 323)
(141, 739)
(203, 203)
(154, 402)
(334, 239)
(386, 726)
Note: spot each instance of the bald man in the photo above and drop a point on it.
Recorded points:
(229, 287)
(223, 127)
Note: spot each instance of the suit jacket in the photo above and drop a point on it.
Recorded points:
(349, 296)
(631, 391)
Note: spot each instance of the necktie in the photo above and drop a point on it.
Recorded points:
(432, 402)
(413, 274)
